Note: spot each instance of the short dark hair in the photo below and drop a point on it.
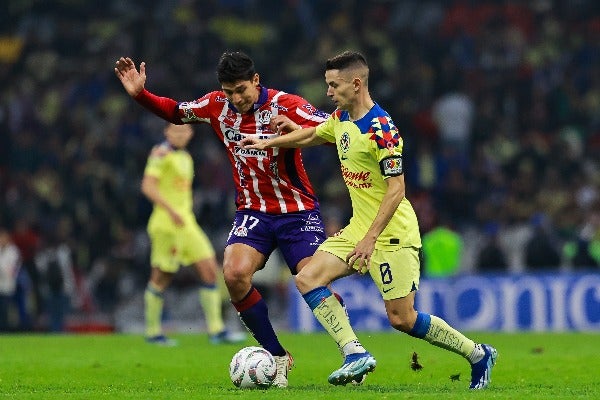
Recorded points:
(345, 60)
(235, 66)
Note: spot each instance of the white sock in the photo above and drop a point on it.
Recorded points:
(352, 348)
(477, 354)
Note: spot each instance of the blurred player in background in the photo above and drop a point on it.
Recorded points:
(276, 204)
(176, 237)
(382, 237)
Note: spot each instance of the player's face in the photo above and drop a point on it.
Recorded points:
(242, 94)
(340, 88)
(179, 135)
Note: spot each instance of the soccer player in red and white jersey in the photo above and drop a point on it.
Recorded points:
(276, 204)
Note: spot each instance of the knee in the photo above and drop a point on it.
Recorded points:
(306, 280)
(402, 321)
(235, 273)
(207, 270)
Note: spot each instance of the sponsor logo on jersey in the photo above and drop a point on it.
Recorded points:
(240, 152)
(232, 135)
(391, 166)
(321, 114)
(314, 111)
(356, 179)
(278, 106)
(310, 108)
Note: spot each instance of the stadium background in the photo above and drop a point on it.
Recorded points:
(498, 103)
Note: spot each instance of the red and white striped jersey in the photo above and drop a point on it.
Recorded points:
(272, 180)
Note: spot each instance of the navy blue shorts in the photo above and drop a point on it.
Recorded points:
(296, 234)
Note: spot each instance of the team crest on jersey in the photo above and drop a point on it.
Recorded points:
(344, 144)
(391, 166)
(384, 133)
(264, 117)
(229, 118)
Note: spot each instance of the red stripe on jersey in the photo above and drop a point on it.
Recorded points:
(273, 180)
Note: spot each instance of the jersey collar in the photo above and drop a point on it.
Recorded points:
(262, 98)
(364, 124)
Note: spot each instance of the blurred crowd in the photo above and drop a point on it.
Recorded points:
(498, 103)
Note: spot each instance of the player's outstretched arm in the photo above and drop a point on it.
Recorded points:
(299, 138)
(132, 80)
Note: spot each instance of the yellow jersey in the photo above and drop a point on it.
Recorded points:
(174, 169)
(370, 151)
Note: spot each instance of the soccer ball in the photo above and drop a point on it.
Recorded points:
(252, 367)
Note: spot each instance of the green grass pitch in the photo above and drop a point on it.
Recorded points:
(530, 366)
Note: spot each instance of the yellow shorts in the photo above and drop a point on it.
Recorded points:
(395, 272)
(180, 247)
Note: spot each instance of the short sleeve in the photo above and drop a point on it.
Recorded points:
(326, 130)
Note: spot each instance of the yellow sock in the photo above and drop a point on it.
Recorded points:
(210, 300)
(442, 335)
(331, 315)
(153, 305)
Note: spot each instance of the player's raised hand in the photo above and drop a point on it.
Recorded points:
(132, 80)
(282, 123)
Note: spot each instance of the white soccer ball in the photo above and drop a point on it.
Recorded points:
(252, 367)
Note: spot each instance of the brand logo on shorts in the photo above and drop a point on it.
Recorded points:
(317, 241)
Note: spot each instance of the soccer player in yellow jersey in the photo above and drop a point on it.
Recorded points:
(176, 237)
(382, 237)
